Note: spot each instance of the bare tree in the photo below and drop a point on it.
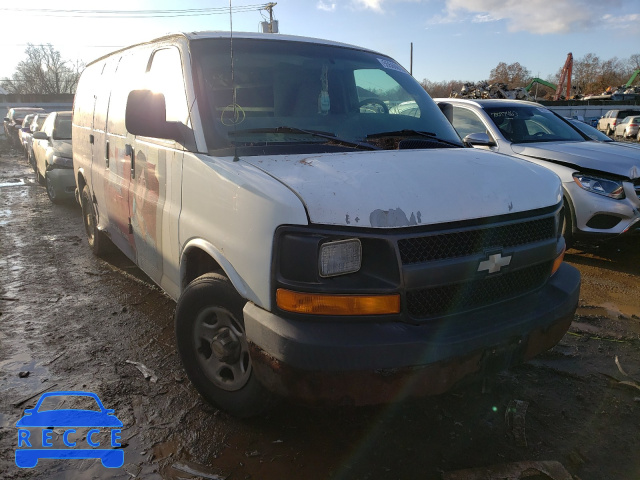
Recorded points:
(591, 75)
(441, 89)
(586, 74)
(514, 74)
(43, 72)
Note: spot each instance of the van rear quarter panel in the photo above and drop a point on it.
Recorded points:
(234, 208)
(82, 123)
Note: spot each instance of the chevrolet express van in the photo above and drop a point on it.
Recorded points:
(320, 244)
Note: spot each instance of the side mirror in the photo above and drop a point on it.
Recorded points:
(479, 140)
(40, 135)
(146, 115)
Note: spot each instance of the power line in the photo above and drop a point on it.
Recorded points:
(58, 45)
(135, 13)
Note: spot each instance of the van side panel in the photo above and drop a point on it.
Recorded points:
(155, 198)
(82, 126)
(100, 152)
(118, 175)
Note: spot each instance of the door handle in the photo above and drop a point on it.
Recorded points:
(131, 154)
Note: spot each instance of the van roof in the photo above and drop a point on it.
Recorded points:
(258, 36)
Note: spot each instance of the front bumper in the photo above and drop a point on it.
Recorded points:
(368, 363)
(598, 216)
(63, 182)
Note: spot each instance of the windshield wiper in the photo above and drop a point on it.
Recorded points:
(408, 133)
(313, 133)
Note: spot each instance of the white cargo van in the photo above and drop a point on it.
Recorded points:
(320, 243)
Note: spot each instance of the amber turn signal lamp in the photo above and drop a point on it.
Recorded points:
(558, 261)
(321, 304)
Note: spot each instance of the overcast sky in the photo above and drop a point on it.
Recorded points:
(452, 39)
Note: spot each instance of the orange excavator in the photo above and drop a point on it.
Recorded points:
(565, 76)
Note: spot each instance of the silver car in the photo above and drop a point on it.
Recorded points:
(601, 181)
(628, 128)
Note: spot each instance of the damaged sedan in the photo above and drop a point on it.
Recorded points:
(600, 181)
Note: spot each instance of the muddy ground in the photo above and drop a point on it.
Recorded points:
(73, 322)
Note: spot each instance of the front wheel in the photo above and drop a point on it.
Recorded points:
(51, 191)
(213, 346)
(39, 178)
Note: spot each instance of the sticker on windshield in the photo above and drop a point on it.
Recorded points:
(391, 65)
(506, 113)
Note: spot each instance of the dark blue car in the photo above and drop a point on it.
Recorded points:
(69, 419)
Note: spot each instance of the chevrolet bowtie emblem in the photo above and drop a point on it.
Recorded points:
(494, 264)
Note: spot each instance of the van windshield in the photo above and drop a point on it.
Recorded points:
(286, 94)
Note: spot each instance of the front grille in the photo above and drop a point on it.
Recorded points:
(460, 244)
(465, 296)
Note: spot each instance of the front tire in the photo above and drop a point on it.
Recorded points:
(213, 346)
(51, 191)
(39, 178)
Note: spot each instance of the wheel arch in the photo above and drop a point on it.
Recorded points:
(80, 181)
(200, 256)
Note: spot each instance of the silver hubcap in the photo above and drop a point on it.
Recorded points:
(221, 348)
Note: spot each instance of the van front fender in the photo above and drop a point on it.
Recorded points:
(216, 255)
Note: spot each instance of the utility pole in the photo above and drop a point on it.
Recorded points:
(269, 7)
(411, 61)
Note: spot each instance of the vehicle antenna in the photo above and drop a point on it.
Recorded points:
(233, 83)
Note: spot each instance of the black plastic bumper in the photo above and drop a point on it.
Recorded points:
(368, 362)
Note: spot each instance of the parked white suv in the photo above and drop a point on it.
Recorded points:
(319, 244)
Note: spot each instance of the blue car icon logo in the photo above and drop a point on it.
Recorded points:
(98, 419)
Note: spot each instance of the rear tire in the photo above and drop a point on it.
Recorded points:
(213, 346)
(97, 240)
(39, 178)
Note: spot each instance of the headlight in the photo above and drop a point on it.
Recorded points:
(340, 257)
(601, 186)
(61, 162)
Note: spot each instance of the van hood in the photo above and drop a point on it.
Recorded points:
(400, 188)
(602, 157)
